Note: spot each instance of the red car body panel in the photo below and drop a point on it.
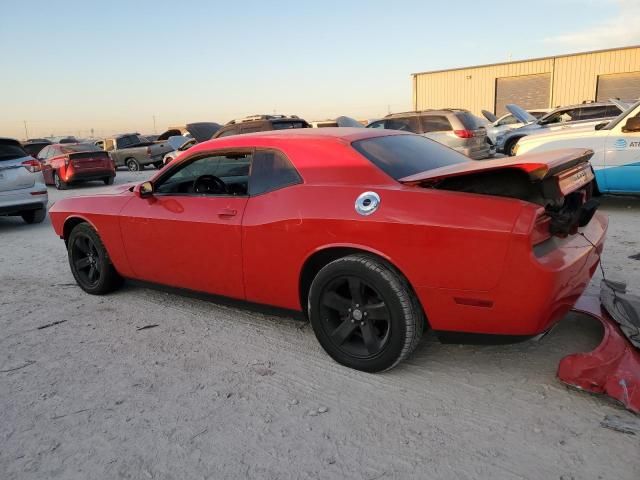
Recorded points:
(468, 257)
(74, 167)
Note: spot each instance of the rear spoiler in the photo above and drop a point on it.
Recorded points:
(537, 165)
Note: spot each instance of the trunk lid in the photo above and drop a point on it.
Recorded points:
(90, 160)
(14, 174)
(489, 116)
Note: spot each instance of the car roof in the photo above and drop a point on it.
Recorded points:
(344, 134)
(432, 110)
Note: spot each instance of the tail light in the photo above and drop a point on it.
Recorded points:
(66, 161)
(463, 133)
(148, 151)
(541, 230)
(32, 165)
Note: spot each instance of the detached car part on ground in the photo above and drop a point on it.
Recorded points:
(22, 189)
(455, 128)
(616, 147)
(585, 116)
(376, 235)
(71, 163)
(613, 367)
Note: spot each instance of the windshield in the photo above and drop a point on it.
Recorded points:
(10, 150)
(621, 117)
(79, 147)
(400, 156)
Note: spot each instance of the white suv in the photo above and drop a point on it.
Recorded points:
(22, 188)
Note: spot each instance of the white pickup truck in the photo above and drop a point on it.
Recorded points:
(616, 147)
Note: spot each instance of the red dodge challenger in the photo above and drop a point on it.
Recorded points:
(375, 235)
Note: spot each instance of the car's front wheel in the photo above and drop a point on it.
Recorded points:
(108, 180)
(89, 261)
(34, 216)
(364, 313)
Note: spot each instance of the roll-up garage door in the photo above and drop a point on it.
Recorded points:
(625, 86)
(527, 91)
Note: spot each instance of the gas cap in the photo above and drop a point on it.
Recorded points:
(367, 203)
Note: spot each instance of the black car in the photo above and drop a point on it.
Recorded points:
(33, 146)
(261, 123)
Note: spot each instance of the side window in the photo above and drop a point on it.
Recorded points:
(435, 123)
(271, 170)
(215, 174)
(588, 113)
(408, 124)
(226, 133)
(612, 111)
(44, 153)
(378, 124)
(508, 120)
(251, 129)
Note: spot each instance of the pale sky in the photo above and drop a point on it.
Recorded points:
(111, 66)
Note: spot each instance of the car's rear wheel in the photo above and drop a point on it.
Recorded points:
(89, 261)
(58, 182)
(34, 216)
(364, 313)
(132, 164)
(108, 180)
(158, 165)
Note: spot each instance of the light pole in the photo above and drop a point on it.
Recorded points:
(26, 132)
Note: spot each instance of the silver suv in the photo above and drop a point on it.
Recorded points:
(455, 128)
(22, 188)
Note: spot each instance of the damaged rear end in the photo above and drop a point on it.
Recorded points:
(561, 183)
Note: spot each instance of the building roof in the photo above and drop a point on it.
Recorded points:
(526, 60)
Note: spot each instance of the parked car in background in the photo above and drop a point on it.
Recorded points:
(507, 122)
(338, 122)
(64, 164)
(22, 189)
(134, 151)
(616, 147)
(574, 116)
(70, 139)
(180, 144)
(456, 128)
(34, 145)
(201, 131)
(370, 238)
(261, 123)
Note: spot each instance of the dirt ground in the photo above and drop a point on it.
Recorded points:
(218, 392)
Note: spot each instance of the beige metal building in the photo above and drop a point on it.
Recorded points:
(537, 83)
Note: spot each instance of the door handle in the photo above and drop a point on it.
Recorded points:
(227, 212)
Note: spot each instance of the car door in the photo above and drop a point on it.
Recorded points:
(187, 237)
(622, 160)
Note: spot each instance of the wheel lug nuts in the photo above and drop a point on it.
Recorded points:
(365, 314)
(362, 324)
(353, 321)
(357, 305)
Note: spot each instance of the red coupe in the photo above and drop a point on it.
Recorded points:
(374, 234)
(67, 163)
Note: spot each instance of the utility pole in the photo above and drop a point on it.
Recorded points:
(26, 132)
(154, 125)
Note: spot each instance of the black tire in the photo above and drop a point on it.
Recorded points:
(108, 180)
(34, 216)
(132, 165)
(90, 263)
(510, 146)
(57, 181)
(364, 313)
(158, 165)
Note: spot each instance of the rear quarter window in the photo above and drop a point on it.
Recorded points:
(407, 124)
(403, 155)
(271, 170)
(468, 120)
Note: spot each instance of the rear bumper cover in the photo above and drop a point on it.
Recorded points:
(613, 368)
(12, 202)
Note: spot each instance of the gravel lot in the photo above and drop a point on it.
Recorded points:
(220, 392)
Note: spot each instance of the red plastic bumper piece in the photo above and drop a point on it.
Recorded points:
(613, 368)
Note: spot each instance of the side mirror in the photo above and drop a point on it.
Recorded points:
(632, 125)
(601, 125)
(144, 190)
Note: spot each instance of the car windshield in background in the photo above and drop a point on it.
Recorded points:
(469, 121)
(80, 147)
(400, 156)
(287, 125)
(10, 150)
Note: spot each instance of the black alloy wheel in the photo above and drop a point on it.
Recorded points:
(89, 261)
(364, 313)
